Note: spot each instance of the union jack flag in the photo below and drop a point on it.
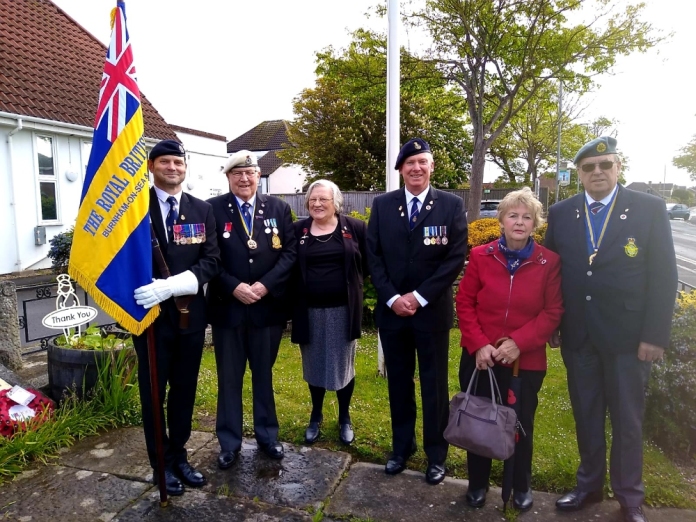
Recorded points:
(118, 79)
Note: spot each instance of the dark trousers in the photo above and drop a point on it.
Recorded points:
(233, 348)
(598, 380)
(531, 380)
(178, 362)
(401, 347)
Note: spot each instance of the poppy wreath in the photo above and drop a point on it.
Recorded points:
(42, 406)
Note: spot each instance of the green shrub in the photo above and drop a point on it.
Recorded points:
(670, 416)
(59, 253)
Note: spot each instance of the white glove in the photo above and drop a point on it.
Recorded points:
(162, 289)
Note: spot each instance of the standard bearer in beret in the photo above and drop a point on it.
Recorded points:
(185, 231)
(416, 244)
(619, 281)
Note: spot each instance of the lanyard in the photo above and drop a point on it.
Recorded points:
(250, 243)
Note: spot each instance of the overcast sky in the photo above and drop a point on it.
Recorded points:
(224, 67)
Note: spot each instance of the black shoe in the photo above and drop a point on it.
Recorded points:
(576, 499)
(274, 450)
(311, 434)
(634, 514)
(395, 465)
(189, 475)
(435, 473)
(522, 500)
(174, 485)
(227, 458)
(476, 498)
(346, 434)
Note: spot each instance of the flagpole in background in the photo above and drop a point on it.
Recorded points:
(111, 253)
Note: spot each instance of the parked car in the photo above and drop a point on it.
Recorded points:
(678, 211)
(488, 209)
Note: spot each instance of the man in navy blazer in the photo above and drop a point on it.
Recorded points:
(416, 244)
(185, 230)
(619, 288)
(246, 306)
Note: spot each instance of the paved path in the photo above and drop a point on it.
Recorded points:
(106, 478)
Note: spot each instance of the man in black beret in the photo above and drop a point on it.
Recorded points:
(619, 286)
(416, 243)
(185, 230)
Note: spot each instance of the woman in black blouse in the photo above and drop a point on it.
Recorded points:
(327, 302)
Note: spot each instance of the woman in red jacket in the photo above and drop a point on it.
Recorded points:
(511, 289)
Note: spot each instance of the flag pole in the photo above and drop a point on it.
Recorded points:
(157, 419)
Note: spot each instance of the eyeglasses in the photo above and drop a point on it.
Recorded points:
(323, 201)
(604, 165)
(240, 173)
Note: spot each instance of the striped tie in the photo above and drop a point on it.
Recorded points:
(414, 213)
(172, 216)
(596, 207)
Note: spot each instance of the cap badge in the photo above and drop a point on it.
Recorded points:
(601, 147)
(416, 145)
(631, 248)
(247, 161)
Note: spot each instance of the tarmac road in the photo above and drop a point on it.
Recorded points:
(684, 235)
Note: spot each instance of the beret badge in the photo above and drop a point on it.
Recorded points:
(416, 146)
(247, 161)
(601, 147)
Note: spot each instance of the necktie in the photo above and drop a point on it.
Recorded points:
(247, 215)
(414, 213)
(596, 207)
(172, 216)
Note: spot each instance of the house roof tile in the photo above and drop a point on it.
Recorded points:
(269, 163)
(267, 135)
(52, 67)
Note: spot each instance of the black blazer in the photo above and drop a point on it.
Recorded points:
(400, 262)
(353, 232)
(203, 259)
(619, 300)
(265, 264)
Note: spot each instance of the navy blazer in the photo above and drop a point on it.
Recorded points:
(400, 262)
(353, 233)
(203, 259)
(240, 264)
(627, 295)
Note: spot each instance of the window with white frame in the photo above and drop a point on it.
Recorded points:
(46, 168)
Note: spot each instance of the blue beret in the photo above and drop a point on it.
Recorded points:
(411, 148)
(167, 148)
(596, 147)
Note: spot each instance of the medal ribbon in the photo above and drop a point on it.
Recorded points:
(590, 228)
(246, 227)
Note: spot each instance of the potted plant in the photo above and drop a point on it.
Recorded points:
(73, 360)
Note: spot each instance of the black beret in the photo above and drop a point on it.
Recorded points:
(411, 148)
(167, 148)
(596, 147)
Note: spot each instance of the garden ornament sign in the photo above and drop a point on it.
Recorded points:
(69, 313)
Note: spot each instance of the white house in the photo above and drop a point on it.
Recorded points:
(50, 72)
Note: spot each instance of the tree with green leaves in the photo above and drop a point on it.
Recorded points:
(339, 130)
(501, 52)
(687, 159)
(683, 196)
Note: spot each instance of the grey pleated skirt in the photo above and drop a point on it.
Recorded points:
(328, 361)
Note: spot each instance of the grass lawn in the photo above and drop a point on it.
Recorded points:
(555, 450)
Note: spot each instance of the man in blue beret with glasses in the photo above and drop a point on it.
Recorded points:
(619, 287)
(416, 245)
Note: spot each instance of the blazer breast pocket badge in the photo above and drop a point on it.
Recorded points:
(192, 234)
(631, 248)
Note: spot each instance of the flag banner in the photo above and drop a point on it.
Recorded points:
(111, 253)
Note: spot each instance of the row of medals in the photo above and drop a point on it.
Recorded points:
(435, 240)
(189, 240)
